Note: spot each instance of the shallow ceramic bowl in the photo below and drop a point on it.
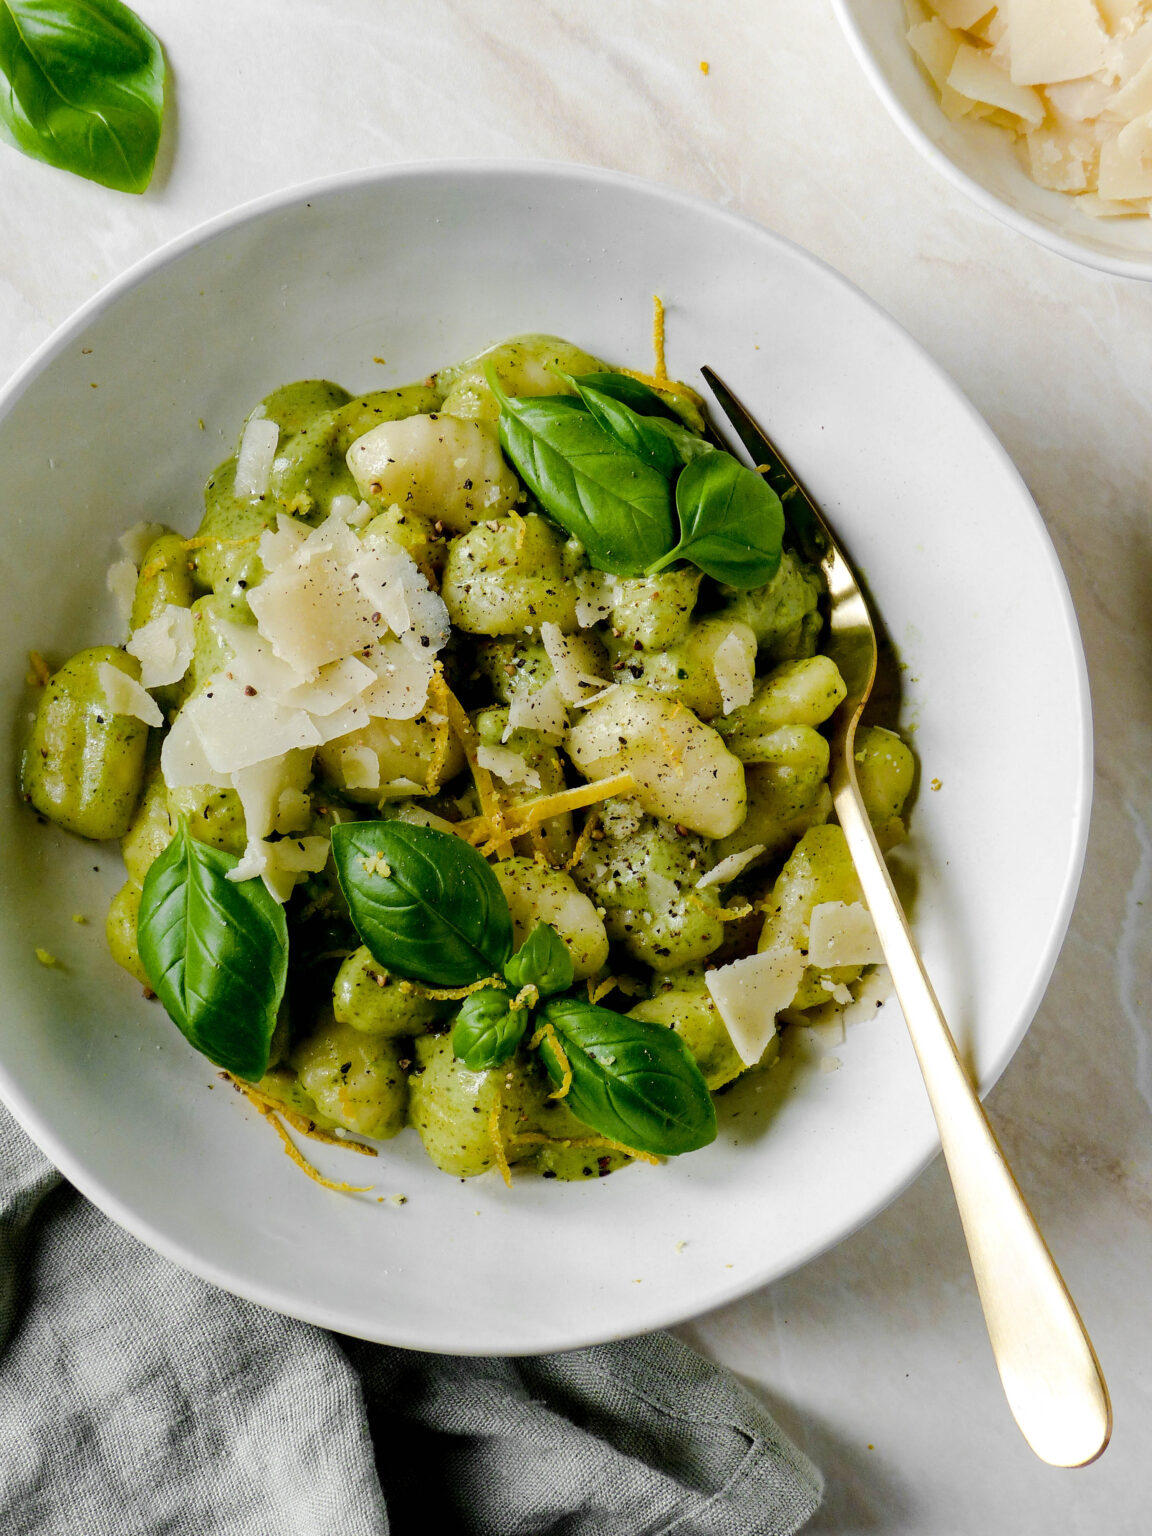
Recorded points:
(980, 159)
(123, 415)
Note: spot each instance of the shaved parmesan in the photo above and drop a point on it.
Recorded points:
(1071, 80)
(134, 541)
(125, 695)
(543, 711)
(749, 993)
(729, 868)
(360, 767)
(163, 646)
(237, 728)
(842, 933)
(571, 660)
(975, 74)
(183, 761)
(1052, 40)
(508, 765)
(254, 461)
(734, 666)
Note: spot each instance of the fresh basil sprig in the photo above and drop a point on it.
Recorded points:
(425, 903)
(543, 961)
(488, 1029)
(632, 1081)
(84, 88)
(215, 953)
(429, 907)
(731, 522)
(584, 457)
(615, 503)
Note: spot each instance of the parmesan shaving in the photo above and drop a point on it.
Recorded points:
(254, 461)
(125, 695)
(163, 646)
(508, 765)
(729, 868)
(733, 664)
(842, 933)
(749, 993)
(543, 711)
(1070, 80)
(570, 660)
(134, 541)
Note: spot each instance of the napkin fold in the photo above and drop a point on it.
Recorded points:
(138, 1400)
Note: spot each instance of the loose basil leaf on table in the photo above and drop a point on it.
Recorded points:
(487, 1031)
(84, 88)
(666, 445)
(425, 903)
(731, 522)
(215, 952)
(632, 1081)
(615, 503)
(542, 961)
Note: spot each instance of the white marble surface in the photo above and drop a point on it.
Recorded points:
(874, 1356)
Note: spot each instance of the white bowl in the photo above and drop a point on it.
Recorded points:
(424, 265)
(980, 159)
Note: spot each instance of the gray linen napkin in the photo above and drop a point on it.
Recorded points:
(137, 1400)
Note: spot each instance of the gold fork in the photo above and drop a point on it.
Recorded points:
(1051, 1376)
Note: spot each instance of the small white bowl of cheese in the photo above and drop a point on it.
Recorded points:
(1039, 110)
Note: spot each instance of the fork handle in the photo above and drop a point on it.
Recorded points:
(1049, 1370)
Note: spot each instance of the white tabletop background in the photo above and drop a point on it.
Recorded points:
(874, 1356)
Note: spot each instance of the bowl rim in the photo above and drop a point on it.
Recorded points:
(105, 1198)
(1115, 265)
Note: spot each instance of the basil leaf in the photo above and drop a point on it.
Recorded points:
(542, 961)
(731, 522)
(641, 435)
(629, 391)
(84, 88)
(425, 903)
(618, 506)
(634, 1082)
(215, 952)
(487, 1032)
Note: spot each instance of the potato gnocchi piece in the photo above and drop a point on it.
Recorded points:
(368, 999)
(354, 1079)
(440, 467)
(509, 577)
(819, 869)
(682, 1002)
(690, 670)
(537, 893)
(885, 769)
(683, 771)
(524, 365)
(467, 1119)
(643, 874)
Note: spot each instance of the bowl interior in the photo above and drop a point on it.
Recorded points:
(981, 159)
(123, 415)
